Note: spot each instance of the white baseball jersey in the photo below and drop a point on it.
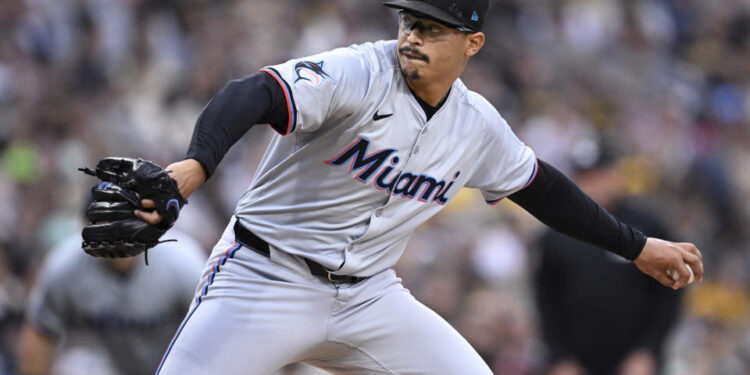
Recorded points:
(360, 166)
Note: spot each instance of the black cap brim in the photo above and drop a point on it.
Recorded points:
(426, 9)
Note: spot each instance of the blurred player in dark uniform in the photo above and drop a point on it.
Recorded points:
(599, 314)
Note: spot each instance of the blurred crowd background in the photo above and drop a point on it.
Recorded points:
(665, 82)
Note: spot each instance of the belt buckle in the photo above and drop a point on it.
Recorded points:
(331, 279)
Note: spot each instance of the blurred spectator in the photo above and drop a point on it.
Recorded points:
(11, 312)
(112, 316)
(599, 314)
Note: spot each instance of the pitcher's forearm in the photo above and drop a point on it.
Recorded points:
(559, 203)
(189, 174)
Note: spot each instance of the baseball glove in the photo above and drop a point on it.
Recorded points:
(113, 230)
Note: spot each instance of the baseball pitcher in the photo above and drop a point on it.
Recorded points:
(373, 140)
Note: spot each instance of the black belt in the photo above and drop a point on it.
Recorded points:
(248, 239)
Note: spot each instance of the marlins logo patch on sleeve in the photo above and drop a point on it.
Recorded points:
(311, 73)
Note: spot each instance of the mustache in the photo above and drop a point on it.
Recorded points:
(414, 51)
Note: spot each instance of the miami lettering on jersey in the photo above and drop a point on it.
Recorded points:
(406, 184)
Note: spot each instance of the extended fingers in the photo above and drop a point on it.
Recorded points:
(152, 217)
(685, 263)
(664, 278)
(690, 248)
(674, 265)
(666, 262)
(148, 203)
(679, 272)
(693, 257)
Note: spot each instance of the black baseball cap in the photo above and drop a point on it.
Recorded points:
(591, 153)
(466, 13)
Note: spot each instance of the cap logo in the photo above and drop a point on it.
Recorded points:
(474, 16)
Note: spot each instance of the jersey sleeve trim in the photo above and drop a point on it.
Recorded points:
(291, 108)
(531, 179)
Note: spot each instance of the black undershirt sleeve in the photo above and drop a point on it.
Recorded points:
(242, 103)
(557, 202)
